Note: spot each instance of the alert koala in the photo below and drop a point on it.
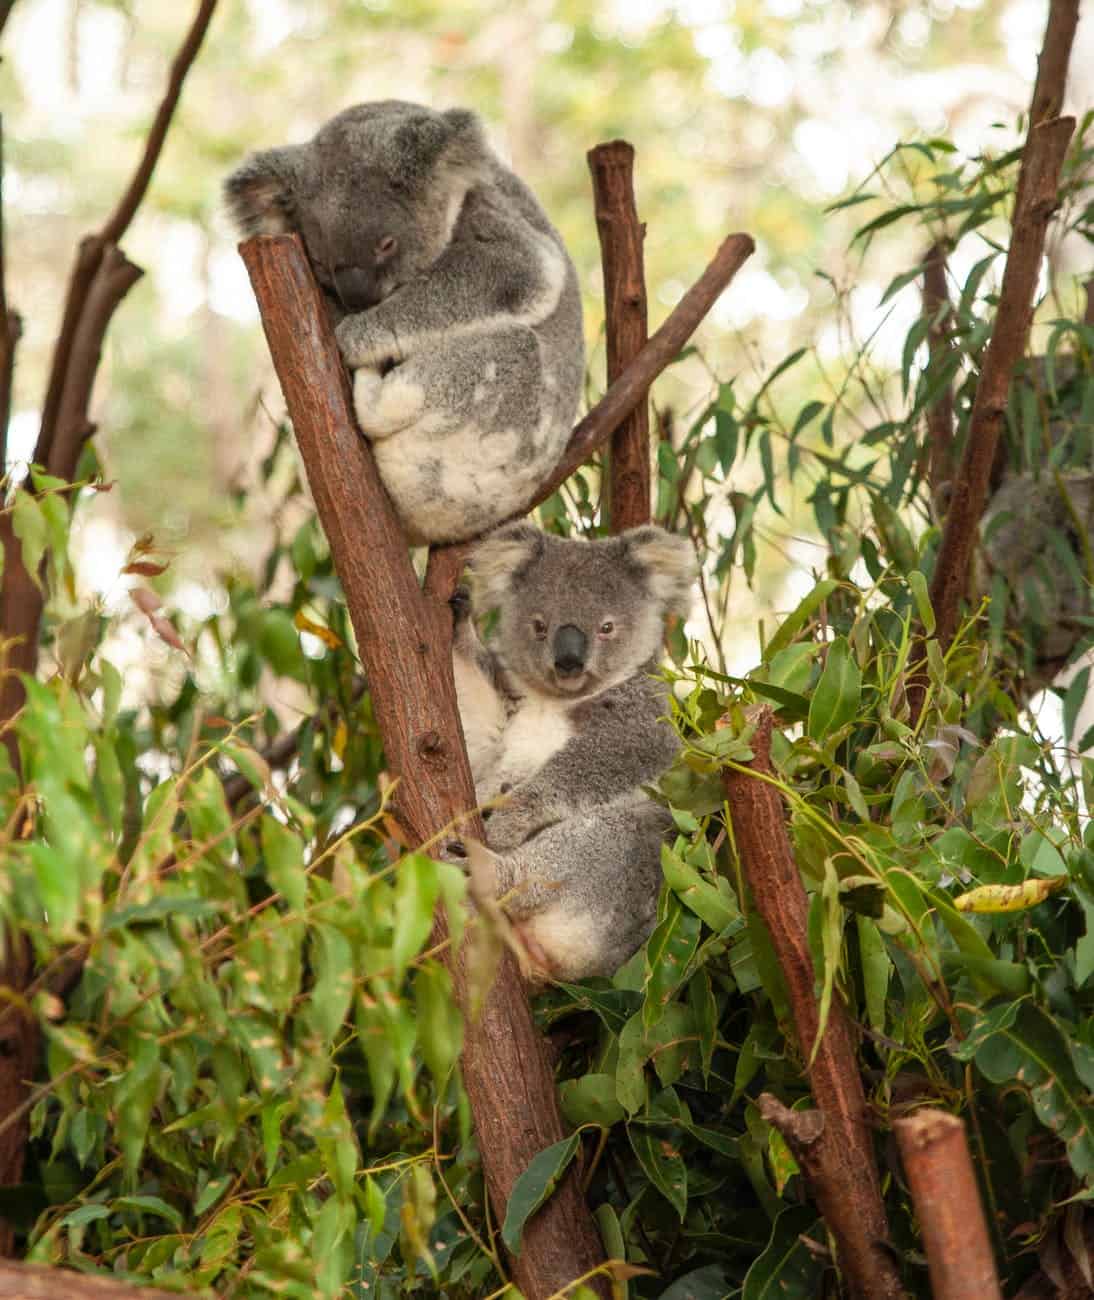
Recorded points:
(457, 304)
(562, 717)
(1034, 533)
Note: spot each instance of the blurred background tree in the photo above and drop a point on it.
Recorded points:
(751, 115)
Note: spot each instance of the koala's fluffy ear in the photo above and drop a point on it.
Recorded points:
(667, 563)
(495, 562)
(259, 191)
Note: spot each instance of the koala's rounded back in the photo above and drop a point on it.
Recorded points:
(578, 616)
(457, 304)
(1030, 534)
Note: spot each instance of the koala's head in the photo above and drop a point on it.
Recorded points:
(374, 195)
(575, 616)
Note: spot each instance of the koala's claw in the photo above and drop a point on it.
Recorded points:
(460, 604)
(454, 851)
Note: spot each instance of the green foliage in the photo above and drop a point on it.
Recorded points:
(249, 1078)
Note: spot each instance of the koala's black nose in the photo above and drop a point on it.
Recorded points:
(356, 288)
(570, 645)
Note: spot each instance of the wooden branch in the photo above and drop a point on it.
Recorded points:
(1088, 310)
(28, 1282)
(1038, 183)
(404, 638)
(633, 384)
(118, 221)
(19, 1053)
(1005, 349)
(845, 1179)
(621, 235)
(92, 247)
(112, 280)
(947, 1201)
(1047, 101)
(940, 421)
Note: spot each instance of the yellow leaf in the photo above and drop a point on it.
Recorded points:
(304, 624)
(341, 736)
(1010, 898)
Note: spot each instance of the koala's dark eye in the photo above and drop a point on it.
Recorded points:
(607, 627)
(387, 246)
(539, 627)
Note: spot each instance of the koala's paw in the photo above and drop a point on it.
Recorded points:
(364, 342)
(514, 822)
(385, 405)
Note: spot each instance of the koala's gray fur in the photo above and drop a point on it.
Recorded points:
(562, 717)
(1025, 525)
(458, 305)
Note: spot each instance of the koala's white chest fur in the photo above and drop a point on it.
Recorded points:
(538, 729)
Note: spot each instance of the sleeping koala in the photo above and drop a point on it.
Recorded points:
(457, 304)
(563, 718)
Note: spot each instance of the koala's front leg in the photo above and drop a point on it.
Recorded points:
(365, 340)
(387, 402)
(525, 812)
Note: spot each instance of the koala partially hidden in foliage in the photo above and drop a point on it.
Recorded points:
(1035, 532)
(562, 716)
(457, 304)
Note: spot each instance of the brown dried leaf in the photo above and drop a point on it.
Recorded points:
(146, 568)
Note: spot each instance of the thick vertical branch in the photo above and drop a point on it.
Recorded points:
(947, 1201)
(11, 328)
(633, 384)
(940, 422)
(621, 235)
(1035, 201)
(842, 1163)
(404, 638)
(1045, 156)
(19, 1054)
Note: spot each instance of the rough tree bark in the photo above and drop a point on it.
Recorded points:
(940, 421)
(947, 1201)
(834, 1144)
(1042, 162)
(1035, 201)
(621, 235)
(24, 1282)
(508, 1080)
